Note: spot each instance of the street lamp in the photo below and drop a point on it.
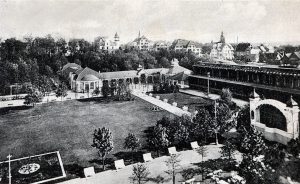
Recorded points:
(208, 75)
(9, 170)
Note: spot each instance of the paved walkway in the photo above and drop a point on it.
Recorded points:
(157, 167)
(239, 102)
(164, 105)
(71, 95)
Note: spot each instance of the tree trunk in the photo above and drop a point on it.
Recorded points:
(173, 177)
(103, 165)
(217, 142)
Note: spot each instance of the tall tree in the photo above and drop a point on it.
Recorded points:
(173, 166)
(32, 97)
(222, 122)
(158, 138)
(252, 143)
(132, 143)
(201, 125)
(228, 149)
(140, 174)
(103, 142)
(62, 90)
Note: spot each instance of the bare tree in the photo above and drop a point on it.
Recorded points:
(173, 165)
(140, 174)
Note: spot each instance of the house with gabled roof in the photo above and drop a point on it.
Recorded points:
(222, 50)
(187, 46)
(108, 45)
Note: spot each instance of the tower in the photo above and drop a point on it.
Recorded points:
(139, 34)
(222, 38)
(117, 38)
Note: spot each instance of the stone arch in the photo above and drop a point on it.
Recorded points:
(272, 117)
(280, 130)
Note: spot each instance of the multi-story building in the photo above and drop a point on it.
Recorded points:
(222, 50)
(141, 43)
(159, 45)
(108, 45)
(187, 46)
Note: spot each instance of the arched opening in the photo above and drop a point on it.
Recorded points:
(272, 117)
(252, 114)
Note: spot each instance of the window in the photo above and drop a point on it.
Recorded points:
(92, 85)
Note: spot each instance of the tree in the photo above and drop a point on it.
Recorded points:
(103, 141)
(293, 147)
(201, 124)
(132, 143)
(222, 122)
(158, 138)
(62, 90)
(252, 143)
(274, 155)
(243, 119)
(96, 91)
(228, 149)
(173, 166)
(256, 171)
(202, 150)
(105, 89)
(140, 174)
(32, 97)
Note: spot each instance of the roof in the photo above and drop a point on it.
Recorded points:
(291, 102)
(242, 47)
(140, 38)
(131, 73)
(185, 43)
(82, 73)
(180, 77)
(72, 66)
(178, 69)
(89, 77)
(219, 46)
(118, 75)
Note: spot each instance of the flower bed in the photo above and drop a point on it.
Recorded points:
(39, 168)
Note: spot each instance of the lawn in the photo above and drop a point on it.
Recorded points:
(68, 127)
(184, 100)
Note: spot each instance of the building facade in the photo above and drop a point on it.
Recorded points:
(222, 50)
(187, 46)
(108, 45)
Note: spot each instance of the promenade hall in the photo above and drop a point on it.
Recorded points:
(268, 80)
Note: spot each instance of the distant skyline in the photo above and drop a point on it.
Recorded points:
(203, 21)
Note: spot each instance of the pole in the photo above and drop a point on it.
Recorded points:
(217, 142)
(208, 75)
(9, 173)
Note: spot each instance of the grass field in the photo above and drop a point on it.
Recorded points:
(184, 100)
(68, 127)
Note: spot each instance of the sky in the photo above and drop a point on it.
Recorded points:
(199, 20)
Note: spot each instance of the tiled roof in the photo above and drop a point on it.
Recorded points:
(180, 77)
(71, 65)
(86, 71)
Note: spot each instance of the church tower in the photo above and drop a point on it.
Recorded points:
(222, 38)
(117, 40)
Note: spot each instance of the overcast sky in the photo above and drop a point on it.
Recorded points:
(252, 21)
